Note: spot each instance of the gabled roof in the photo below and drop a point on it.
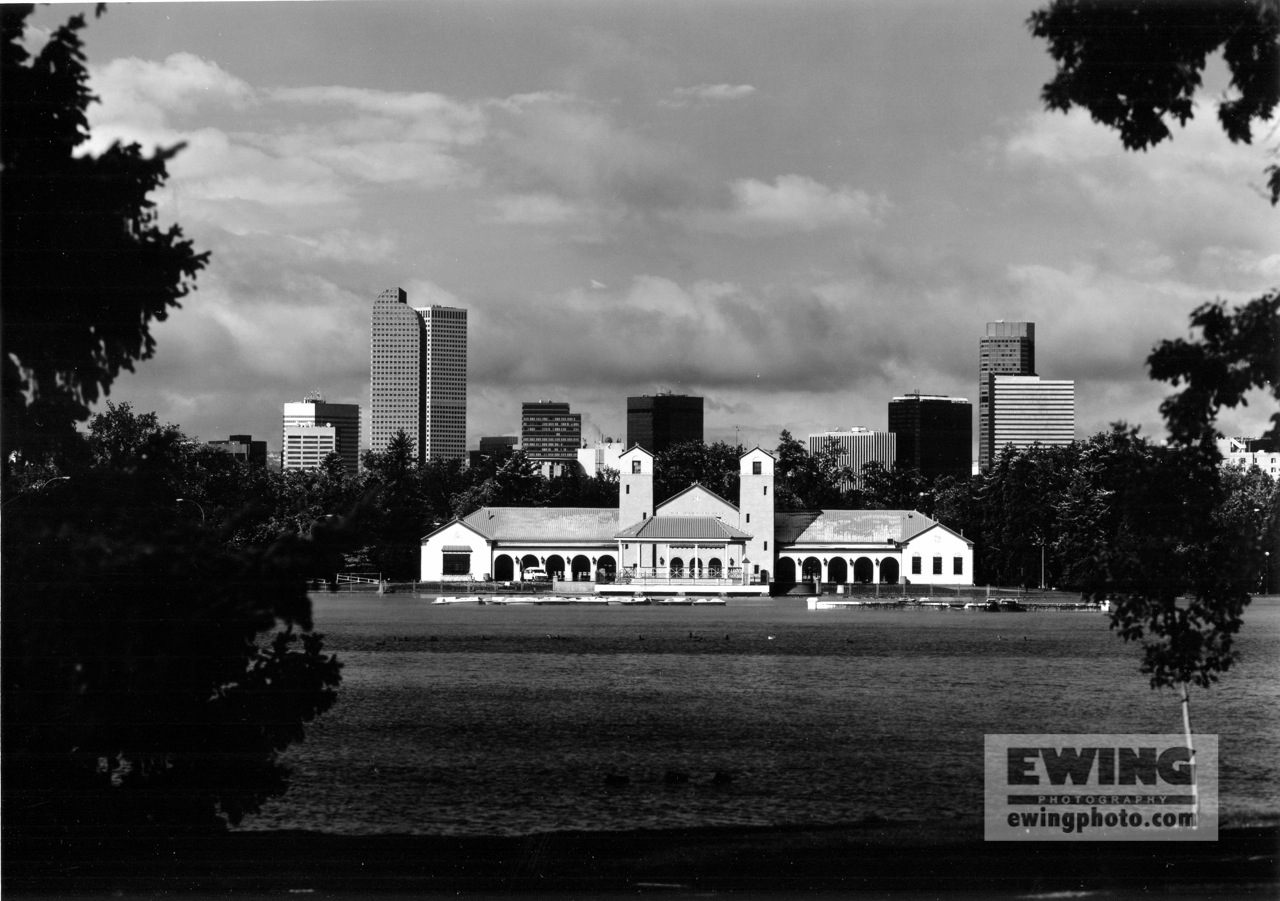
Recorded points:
(545, 523)
(849, 526)
(699, 486)
(757, 448)
(454, 521)
(683, 528)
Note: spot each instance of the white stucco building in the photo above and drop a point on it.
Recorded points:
(697, 542)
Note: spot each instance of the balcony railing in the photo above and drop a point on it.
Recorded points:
(663, 575)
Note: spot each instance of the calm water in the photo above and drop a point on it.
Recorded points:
(511, 719)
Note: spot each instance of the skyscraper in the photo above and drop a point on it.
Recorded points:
(655, 422)
(1027, 410)
(935, 434)
(313, 413)
(550, 435)
(418, 374)
(1009, 348)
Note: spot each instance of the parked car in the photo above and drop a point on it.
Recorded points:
(536, 574)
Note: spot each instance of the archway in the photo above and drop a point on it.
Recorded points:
(811, 569)
(863, 570)
(555, 566)
(504, 568)
(715, 569)
(889, 571)
(677, 567)
(786, 569)
(581, 569)
(838, 571)
(606, 567)
(528, 561)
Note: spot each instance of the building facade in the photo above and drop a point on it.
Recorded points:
(307, 446)
(243, 448)
(697, 542)
(934, 434)
(315, 412)
(601, 456)
(1028, 410)
(550, 434)
(1249, 452)
(858, 447)
(655, 422)
(1008, 348)
(418, 376)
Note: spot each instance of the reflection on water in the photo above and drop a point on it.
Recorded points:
(506, 720)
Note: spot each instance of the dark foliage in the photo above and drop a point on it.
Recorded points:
(154, 665)
(78, 233)
(1136, 64)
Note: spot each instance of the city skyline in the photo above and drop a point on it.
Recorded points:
(796, 212)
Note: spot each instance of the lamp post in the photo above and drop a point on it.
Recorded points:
(41, 487)
(187, 500)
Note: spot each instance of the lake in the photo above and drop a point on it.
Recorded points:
(474, 720)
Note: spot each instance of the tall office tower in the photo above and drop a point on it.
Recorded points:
(418, 374)
(314, 413)
(550, 435)
(655, 422)
(1027, 410)
(935, 434)
(444, 354)
(858, 447)
(1009, 348)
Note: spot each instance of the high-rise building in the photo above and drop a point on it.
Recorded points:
(858, 447)
(314, 413)
(306, 446)
(1009, 348)
(1028, 410)
(243, 448)
(418, 375)
(655, 422)
(550, 435)
(935, 434)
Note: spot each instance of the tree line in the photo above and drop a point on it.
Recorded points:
(1038, 515)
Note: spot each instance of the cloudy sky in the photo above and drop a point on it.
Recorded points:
(796, 210)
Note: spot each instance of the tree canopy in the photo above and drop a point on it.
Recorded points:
(87, 266)
(1136, 65)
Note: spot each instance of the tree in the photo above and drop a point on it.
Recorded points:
(1136, 64)
(809, 481)
(151, 673)
(86, 268)
(713, 466)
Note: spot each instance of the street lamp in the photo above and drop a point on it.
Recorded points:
(187, 500)
(41, 487)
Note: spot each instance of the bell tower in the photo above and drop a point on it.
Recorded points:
(755, 511)
(635, 486)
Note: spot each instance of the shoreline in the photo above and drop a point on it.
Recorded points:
(867, 856)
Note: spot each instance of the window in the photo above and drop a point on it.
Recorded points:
(766, 545)
(755, 467)
(937, 566)
(635, 467)
(628, 489)
(748, 517)
(957, 566)
(766, 489)
(915, 566)
(456, 564)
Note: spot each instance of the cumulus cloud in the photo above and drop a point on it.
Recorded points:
(148, 91)
(794, 203)
(707, 93)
